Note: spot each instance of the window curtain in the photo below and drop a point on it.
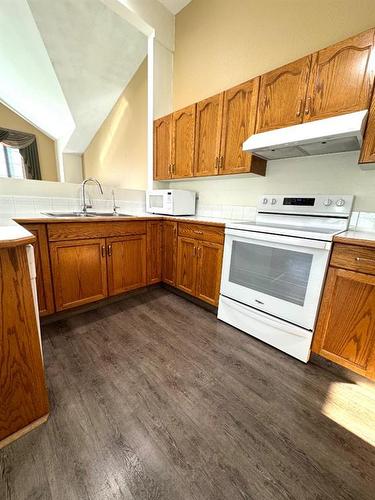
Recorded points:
(26, 144)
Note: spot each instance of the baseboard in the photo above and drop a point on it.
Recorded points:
(190, 298)
(341, 371)
(25, 430)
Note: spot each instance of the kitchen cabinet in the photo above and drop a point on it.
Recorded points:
(79, 270)
(199, 261)
(208, 134)
(183, 135)
(282, 95)
(187, 264)
(23, 393)
(169, 252)
(163, 147)
(43, 269)
(345, 332)
(341, 78)
(210, 256)
(238, 124)
(368, 146)
(154, 251)
(126, 258)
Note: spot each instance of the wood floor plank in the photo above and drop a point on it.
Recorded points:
(153, 398)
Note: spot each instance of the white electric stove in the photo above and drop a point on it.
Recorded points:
(274, 268)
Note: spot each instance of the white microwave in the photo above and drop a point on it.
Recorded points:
(170, 202)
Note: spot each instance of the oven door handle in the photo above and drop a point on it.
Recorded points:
(275, 238)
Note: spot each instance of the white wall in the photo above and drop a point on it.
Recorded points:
(28, 83)
(330, 174)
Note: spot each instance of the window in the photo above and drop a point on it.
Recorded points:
(11, 163)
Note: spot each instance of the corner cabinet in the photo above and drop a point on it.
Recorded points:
(154, 251)
(169, 252)
(368, 147)
(183, 137)
(162, 147)
(345, 332)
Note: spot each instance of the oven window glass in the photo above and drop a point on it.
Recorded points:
(273, 271)
(156, 200)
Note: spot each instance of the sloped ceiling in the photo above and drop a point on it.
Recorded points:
(174, 6)
(95, 53)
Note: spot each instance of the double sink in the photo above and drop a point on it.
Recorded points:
(85, 214)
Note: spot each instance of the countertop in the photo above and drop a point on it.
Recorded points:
(354, 237)
(13, 234)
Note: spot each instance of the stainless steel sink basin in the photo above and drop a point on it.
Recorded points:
(87, 214)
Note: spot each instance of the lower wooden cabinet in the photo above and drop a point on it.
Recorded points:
(126, 263)
(43, 269)
(199, 266)
(169, 252)
(345, 330)
(154, 251)
(79, 269)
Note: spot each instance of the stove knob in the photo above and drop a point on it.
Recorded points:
(273, 201)
(340, 202)
(327, 202)
(264, 201)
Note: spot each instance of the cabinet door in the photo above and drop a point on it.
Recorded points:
(282, 95)
(368, 146)
(210, 256)
(183, 133)
(154, 245)
(162, 147)
(169, 252)
(187, 264)
(126, 263)
(239, 116)
(79, 272)
(341, 78)
(345, 331)
(207, 135)
(43, 269)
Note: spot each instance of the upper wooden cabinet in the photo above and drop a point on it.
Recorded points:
(208, 134)
(162, 147)
(239, 117)
(368, 147)
(341, 78)
(282, 95)
(183, 133)
(43, 269)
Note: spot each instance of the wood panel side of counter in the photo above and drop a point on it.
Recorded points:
(23, 394)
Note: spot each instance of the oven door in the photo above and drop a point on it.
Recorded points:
(279, 275)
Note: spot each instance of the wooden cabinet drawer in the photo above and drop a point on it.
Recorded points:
(215, 234)
(82, 230)
(354, 258)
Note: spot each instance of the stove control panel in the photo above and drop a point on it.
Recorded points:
(306, 204)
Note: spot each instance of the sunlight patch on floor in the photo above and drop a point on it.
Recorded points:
(358, 416)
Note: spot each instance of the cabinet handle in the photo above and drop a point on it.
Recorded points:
(216, 163)
(308, 104)
(196, 231)
(362, 259)
(299, 110)
(109, 250)
(103, 251)
(221, 161)
(199, 252)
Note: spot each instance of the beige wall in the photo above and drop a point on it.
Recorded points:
(220, 43)
(73, 167)
(46, 146)
(117, 155)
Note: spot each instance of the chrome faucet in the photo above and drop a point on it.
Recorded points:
(115, 207)
(86, 205)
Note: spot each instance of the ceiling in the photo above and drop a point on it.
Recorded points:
(95, 53)
(175, 6)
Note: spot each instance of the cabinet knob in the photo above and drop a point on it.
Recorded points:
(308, 104)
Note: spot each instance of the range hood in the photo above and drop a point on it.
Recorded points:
(331, 135)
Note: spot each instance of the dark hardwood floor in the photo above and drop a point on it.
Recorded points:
(154, 398)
